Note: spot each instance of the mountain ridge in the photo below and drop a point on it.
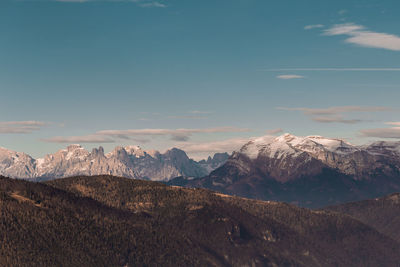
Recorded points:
(129, 161)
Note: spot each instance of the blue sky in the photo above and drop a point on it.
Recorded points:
(199, 75)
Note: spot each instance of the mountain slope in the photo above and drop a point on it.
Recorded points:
(309, 171)
(239, 231)
(381, 213)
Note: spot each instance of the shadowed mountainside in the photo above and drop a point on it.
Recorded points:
(381, 213)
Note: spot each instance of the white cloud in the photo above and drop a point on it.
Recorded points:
(175, 134)
(111, 136)
(335, 110)
(289, 76)
(393, 132)
(335, 119)
(360, 36)
(314, 26)
(394, 123)
(334, 114)
(20, 127)
(333, 69)
(274, 131)
(201, 150)
(80, 139)
(153, 4)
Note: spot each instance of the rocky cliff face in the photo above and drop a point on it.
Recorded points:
(130, 161)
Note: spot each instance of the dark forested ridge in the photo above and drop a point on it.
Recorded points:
(111, 221)
(381, 213)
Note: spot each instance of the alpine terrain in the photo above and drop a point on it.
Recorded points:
(311, 171)
(130, 161)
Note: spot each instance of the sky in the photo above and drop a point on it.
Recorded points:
(204, 76)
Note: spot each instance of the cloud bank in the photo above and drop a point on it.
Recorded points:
(110, 136)
(359, 35)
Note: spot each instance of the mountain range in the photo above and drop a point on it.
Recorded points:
(112, 221)
(311, 171)
(130, 162)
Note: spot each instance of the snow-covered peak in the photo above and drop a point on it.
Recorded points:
(74, 147)
(76, 152)
(136, 151)
(4, 152)
(265, 144)
(288, 144)
(288, 138)
(317, 144)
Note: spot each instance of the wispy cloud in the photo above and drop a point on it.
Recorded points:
(335, 119)
(274, 131)
(200, 112)
(194, 117)
(175, 134)
(80, 139)
(394, 123)
(202, 148)
(314, 26)
(153, 4)
(335, 114)
(111, 136)
(20, 127)
(332, 69)
(336, 110)
(393, 132)
(289, 76)
(141, 3)
(359, 35)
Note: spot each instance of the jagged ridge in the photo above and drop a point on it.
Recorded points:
(130, 161)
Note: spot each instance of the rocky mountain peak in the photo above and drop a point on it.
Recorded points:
(74, 147)
(97, 152)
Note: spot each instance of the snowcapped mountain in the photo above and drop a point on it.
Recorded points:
(311, 170)
(130, 161)
(288, 157)
(19, 164)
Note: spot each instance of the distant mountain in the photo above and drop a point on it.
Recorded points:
(215, 162)
(110, 221)
(382, 213)
(130, 161)
(311, 171)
